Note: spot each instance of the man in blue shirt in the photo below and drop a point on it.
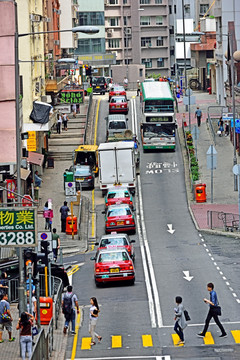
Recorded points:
(198, 114)
(213, 302)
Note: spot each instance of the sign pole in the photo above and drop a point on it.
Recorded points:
(46, 281)
(72, 220)
(211, 174)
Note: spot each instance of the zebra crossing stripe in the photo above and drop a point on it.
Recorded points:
(116, 341)
(236, 336)
(147, 341)
(208, 339)
(86, 341)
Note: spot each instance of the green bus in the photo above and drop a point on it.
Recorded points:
(159, 123)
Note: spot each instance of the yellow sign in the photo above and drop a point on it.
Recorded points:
(32, 141)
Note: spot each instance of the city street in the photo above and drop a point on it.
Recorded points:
(172, 258)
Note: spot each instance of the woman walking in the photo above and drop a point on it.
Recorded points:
(180, 323)
(94, 311)
(25, 324)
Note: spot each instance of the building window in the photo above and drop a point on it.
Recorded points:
(147, 63)
(146, 41)
(160, 41)
(113, 2)
(175, 9)
(159, 20)
(90, 46)
(113, 21)
(124, 2)
(144, 20)
(113, 43)
(126, 42)
(140, 72)
(160, 62)
(187, 9)
(144, 2)
(91, 18)
(125, 20)
(203, 8)
(170, 9)
(209, 54)
(158, 1)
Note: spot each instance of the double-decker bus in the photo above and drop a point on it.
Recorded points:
(159, 124)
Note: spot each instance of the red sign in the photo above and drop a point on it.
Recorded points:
(11, 185)
(27, 200)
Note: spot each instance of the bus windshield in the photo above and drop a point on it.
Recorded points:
(159, 106)
(158, 130)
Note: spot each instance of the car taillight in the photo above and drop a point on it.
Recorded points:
(131, 203)
(104, 186)
(105, 85)
(107, 204)
(97, 269)
(89, 177)
(130, 184)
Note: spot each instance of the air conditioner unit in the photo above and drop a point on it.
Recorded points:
(106, 2)
(56, 42)
(46, 19)
(109, 32)
(49, 56)
(37, 87)
(46, 98)
(128, 31)
(58, 12)
(115, 52)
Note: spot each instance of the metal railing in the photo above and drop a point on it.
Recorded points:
(217, 114)
(58, 302)
(88, 116)
(222, 221)
(44, 344)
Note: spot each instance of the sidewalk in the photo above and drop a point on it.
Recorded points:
(224, 197)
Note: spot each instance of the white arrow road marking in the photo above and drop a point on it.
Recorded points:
(187, 276)
(170, 229)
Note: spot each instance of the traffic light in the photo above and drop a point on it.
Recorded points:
(88, 70)
(28, 261)
(45, 250)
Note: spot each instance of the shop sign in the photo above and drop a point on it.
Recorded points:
(32, 141)
(71, 96)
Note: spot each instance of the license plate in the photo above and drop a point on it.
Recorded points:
(105, 276)
(114, 270)
(120, 222)
(79, 179)
(97, 87)
(118, 106)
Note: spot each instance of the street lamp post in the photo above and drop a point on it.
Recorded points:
(83, 29)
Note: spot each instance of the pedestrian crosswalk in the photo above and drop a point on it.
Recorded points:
(117, 341)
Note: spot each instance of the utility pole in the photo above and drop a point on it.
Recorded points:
(184, 49)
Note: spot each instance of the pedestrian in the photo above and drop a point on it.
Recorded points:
(220, 126)
(25, 324)
(94, 311)
(65, 121)
(37, 179)
(69, 302)
(34, 304)
(46, 216)
(74, 110)
(138, 87)
(5, 318)
(180, 323)
(64, 214)
(125, 82)
(212, 313)
(198, 115)
(59, 123)
(3, 284)
(227, 128)
(56, 244)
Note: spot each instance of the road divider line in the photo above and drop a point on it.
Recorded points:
(236, 336)
(145, 270)
(74, 347)
(150, 265)
(93, 215)
(96, 122)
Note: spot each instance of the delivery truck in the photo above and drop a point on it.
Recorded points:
(117, 165)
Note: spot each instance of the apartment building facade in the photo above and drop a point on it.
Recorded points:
(138, 33)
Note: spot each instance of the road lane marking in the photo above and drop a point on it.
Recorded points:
(208, 339)
(74, 347)
(176, 339)
(93, 215)
(96, 122)
(154, 357)
(86, 343)
(236, 336)
(147, 341)
(150, 265)
(116, 341)
(146, 274)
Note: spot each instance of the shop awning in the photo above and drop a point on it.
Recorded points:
(25, 174)
(35, 158)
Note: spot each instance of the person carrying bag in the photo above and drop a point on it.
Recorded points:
(25, 324)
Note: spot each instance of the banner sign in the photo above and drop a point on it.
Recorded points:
(72, 96)
(18, 227)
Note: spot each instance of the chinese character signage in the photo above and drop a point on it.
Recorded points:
(18, 227)
(32, 141)
(71, 96)
(11, 185)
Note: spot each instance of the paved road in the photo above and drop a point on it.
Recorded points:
(137, 320)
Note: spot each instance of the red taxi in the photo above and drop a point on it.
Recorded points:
(113, 265)
(118, 195)
(119, 218)
(118, 104)
(117, 90)
(115, 240)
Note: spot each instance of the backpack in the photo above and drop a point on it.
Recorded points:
(67, 305)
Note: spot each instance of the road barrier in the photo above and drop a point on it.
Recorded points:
(44, 344)
(221, 220)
